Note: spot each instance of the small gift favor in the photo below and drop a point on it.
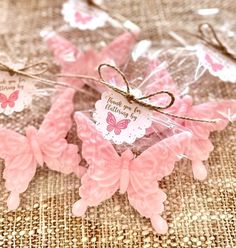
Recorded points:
(214, 48)
(23, 87)
(47, 144)
(143, 123)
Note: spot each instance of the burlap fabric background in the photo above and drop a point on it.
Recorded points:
(200, 214)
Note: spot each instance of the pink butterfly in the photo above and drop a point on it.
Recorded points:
(109, 172)
(86, 63)
(114, 125)
(9, 101)
(215, 66)
(46, 145)
(80, 17)
(201, 145)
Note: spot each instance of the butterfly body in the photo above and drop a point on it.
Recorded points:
(31, 135)
(126, 158)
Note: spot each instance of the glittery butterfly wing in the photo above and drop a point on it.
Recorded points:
(114, 125)
(57, 153)
(201, 146)
(101, 180)
(20, 164)
(153, 164)
(218, 65)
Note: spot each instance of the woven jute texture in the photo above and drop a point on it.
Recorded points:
(200, 214)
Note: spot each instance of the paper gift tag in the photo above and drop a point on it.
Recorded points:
(121, 121)
(15, 92)
(216, 63)
(80, 15)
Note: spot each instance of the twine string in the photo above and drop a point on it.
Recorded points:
(126, 93)
(209, 36)
(35, 66)
(33, 75)
(132, 98)
(44, 65)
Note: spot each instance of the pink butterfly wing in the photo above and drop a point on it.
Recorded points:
(3, 100)
(150, 206)
(12, 98)
(214, 65)
(58, 154)
(20, 164)
(102, 177)
(201, 146)
(116, 53)
(82, 18)
(119, 49)
(67, 56)
(123, 124)
(86, 63)
(158, 160)
(63, 50)
(111, 121)
(152, 165)
(161, 79)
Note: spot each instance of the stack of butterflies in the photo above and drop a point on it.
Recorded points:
(108, 169)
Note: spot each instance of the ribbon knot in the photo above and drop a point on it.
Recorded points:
(131, 98)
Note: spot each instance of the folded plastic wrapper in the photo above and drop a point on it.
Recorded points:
(152, 157)
(168, 140)
(42, 140)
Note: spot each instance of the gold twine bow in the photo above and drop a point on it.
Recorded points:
(132, 98)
